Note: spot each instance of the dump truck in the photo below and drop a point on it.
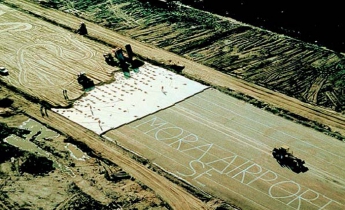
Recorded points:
(285, 158)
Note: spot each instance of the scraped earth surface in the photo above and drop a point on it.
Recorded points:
(45, 79)
(223, 146)
(219, 145)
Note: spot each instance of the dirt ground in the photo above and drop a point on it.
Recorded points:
(147, 189)
(81, 179)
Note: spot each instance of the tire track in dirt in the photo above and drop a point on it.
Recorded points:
(251, 39)
(48, 49)
(15, 27)
(45, 56)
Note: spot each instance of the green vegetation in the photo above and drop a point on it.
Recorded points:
(338, 78)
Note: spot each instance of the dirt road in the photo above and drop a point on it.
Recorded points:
(31, 85)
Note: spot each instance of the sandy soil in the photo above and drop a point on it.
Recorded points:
(88, 175)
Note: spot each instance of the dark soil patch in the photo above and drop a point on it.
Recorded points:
(6, 102)
(37, 165)
(6, 131)
(8, 151)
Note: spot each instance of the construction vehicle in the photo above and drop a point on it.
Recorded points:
(85, 81)
(124, 59)
(285, 158)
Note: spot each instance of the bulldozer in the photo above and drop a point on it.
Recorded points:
(285, 158)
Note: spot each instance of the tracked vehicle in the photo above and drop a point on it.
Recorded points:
(285, 158)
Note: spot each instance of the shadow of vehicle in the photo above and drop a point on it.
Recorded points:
(125, 61)
(136, 63)
(82, 29)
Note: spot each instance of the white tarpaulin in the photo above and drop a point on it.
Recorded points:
(126, 99)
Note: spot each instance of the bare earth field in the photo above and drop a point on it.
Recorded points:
(33, 80)
(208, 151)
(222, 145)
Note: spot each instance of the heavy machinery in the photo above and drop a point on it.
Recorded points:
(286, 159)
(85, 81)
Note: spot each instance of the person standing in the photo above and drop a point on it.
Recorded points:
(64, 92)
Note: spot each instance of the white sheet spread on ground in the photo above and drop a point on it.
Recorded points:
(149, 90)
